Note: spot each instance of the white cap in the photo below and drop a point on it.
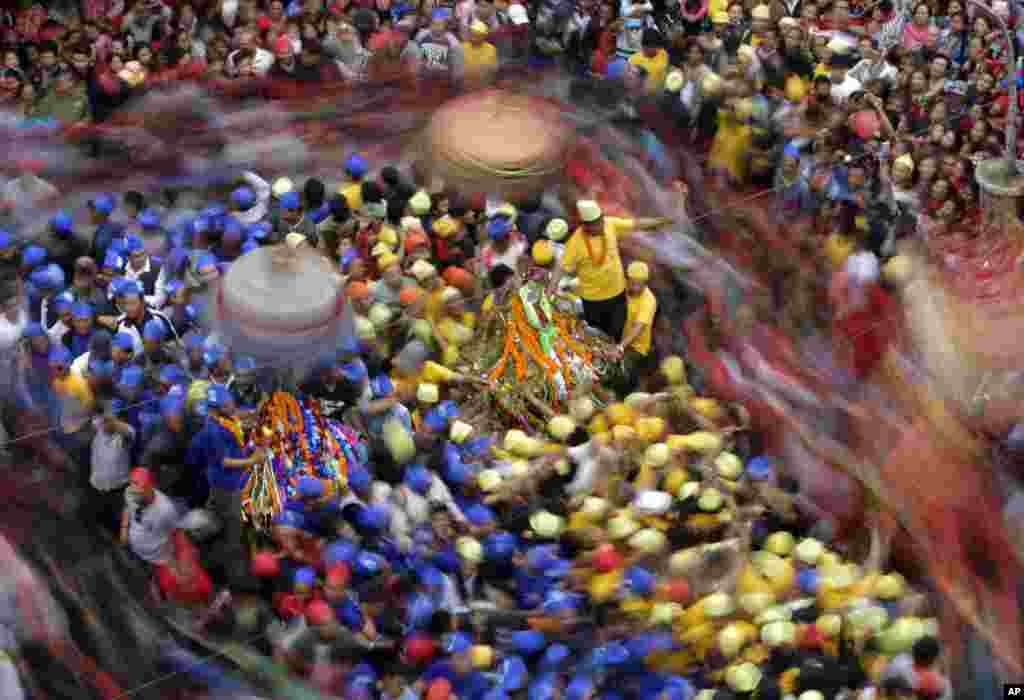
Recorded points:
(517, 14)
(282, 185)
(557, 229)
(294, 240)
(427, 393)
(589, 210)
(422, 270)
(863, 267)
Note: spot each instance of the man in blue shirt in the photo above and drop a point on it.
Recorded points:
(219, 448)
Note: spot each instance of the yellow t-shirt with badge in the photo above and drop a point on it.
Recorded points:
(641, 309)
(353, 194)
(656, 67)
(596, 262)
(478, 60)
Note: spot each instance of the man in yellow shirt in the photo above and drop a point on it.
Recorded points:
(479, 56)
(351, 189)
(653, 59)
(592, 254)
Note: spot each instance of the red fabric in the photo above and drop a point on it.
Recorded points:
(194, 589)
(870, 331)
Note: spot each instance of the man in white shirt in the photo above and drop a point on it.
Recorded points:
(110, 464)
(149, 520)
(262, 60)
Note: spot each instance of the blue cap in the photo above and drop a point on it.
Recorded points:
(579, 688)
(81, 310)
(59, 356)
(249, 246)
(356, 165)
(101, 368)
(232, 228)
(441, 14)
(498, 228)
(48, 277)
(34, 330)
(305, 576)
(131, 375)
(61, 222)
(375, 518)
(760, 468)
(528, 642)
(290, 200)
(354, 372)
(113, 261)
(149, 218)
(358, 478)
(290, 518)
(457, 643)
(419, 611)
(171, 405)
(194, 341)
(339, 551)
(173, 286)
(205, 260)
(33, 256)
(309, 487)
(640, 581)
(64, 300)
(133, 243)
(554, 656)
(368, 564)
(807, 580)
(418, 478)
(617, 68)
(154, 330)
(512, 674)
(245, 362)
(500, 546)
(212, 214)
(214, 354)
(258, 231)
(6, 240)
(243, 197)
(218, 396)
(170, 374)
(792, 150)
(129, 288)
(104, 204)
(123, 341)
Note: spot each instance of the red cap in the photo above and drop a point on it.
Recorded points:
(419, 650)
(319, 612)
(263, 23)
(339, 574)
(607, 558)
(677, 590)
(408, 296)
(440, 689)
(32, 165)
(358, 290)
(283, 44)
(141, 478)
(265, 564)
(414, 240)
(458, 277)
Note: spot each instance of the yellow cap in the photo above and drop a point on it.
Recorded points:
(890, 587)
(906, 161)
(561, 427)
(718, 605)
(543, 252)
(674, 81)
(657, 455)
(710, 500)
(581, 409)
(546, 524)
(650, 428)
(728, 465)
(730, 640)
(743, 678)
(386, 260)
(489, 480)
(557, 229)
(445, 226)
(620, 414)
(479, 28)
(420, 203)
(638, 271)
(674, 369)
(780, 543)
(720, 18)
(481, 656)
(428, 393)
(469, 549)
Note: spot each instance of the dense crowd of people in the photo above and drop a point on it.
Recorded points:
(648, 542)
